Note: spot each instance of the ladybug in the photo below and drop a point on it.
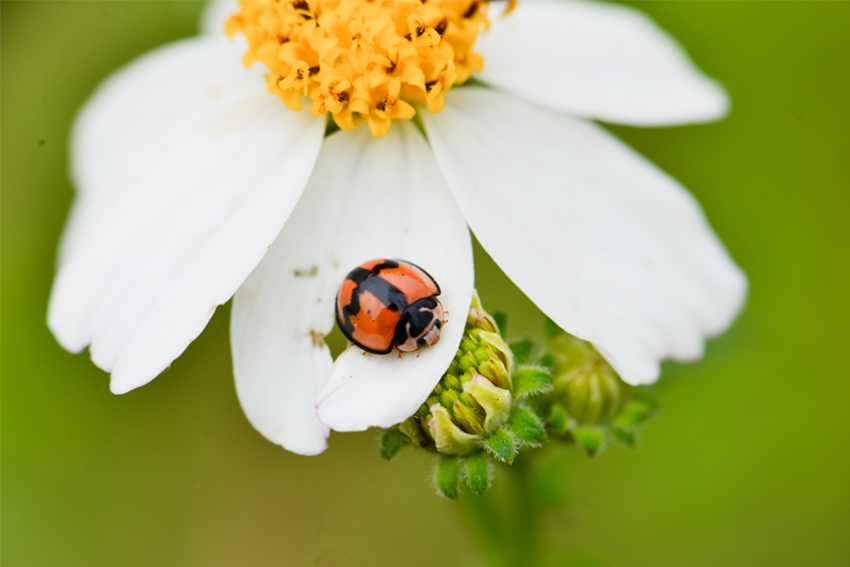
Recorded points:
(389, 304)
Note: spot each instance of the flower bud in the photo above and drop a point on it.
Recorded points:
(478, 318)
(473, 398)
(448, 437)
(495, 401)
(584, 383)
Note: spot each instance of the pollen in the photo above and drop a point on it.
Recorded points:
(362, 60)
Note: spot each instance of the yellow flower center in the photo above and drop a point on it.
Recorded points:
(371, 60)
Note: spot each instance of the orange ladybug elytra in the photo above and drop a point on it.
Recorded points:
(385, 304)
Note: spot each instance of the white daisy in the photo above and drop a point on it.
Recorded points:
(196, 185)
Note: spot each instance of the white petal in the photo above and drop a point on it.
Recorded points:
(137, 116)
(373, 198)
(280, 315)
(598, 60)
(611, 248)
(175, 236)
(215, 15)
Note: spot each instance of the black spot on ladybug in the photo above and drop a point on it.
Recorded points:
(383, 290)
(421, 315)
(415, 320)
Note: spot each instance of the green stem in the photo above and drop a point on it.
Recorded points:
(485, 520)
(507, 520)
(524, 520)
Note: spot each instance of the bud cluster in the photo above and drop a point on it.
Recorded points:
(473, 398)
(489, 403)
(475, 410)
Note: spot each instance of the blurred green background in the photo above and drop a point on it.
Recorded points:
(749, 463)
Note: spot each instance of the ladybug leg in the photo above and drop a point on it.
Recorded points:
(418, 354)
(399, 354)
(364, 353)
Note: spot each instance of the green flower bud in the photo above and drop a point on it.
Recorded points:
(448, 438)
(486, 409)
(497, 372)
(413, 429)
(469, 345)
(466, 361)
(584, 383)
(482, 354)
(453, 382)
(495, 401)
(473, 398)
(478, 318)
(497, 348)
(448, 398)
(470, 417)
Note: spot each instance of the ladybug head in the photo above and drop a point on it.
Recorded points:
(419, 325)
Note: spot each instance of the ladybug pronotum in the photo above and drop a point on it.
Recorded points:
(389, 304)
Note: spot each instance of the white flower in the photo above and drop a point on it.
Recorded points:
(195, 185)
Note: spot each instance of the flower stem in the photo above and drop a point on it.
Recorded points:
(507, 522)
(524, 520)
